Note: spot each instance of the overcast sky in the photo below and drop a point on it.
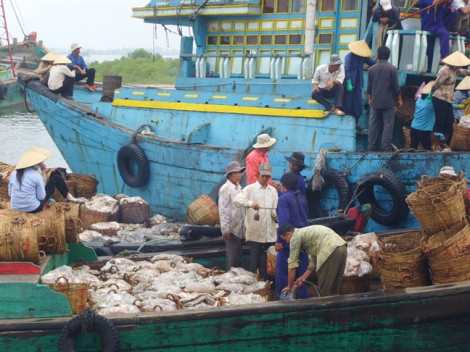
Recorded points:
(95, 24)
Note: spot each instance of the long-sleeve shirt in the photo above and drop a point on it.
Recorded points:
(43, 69)
(291, 209)
(383, 85)
(460, 97)
(318, 241)
(354, 69)
(301, 184)
(264, 229)
(253, 161)
(322, 75)
(232, 219)
(444, 85)
(393, 16)
(26, 197)
(76, 61)
(57, 75)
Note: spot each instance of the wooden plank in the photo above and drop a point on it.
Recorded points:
(18, 268)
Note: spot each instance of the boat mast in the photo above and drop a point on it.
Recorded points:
(309, 37)
(4, 35)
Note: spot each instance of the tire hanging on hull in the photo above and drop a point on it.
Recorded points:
(333, 178)
(392, 184)
(126, 156)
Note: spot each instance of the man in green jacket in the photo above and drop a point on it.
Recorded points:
(328, 251)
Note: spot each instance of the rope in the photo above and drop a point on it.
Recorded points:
(26, 99)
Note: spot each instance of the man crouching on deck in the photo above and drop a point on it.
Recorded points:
(328, 251)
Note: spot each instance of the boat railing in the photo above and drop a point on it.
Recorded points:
(251, 66)
(408, 49)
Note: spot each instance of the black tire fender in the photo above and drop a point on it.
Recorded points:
(95, 322)
(333, 178)
(392, 184)
(133, 153)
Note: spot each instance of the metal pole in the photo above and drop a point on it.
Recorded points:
(8, 39)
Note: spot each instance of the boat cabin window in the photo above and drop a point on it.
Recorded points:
(297, 6)
(350, 5)
(280, 39)
(224, 40)
(282, 6)
(211, 40)
(325, 38)
(266, 40)
(268, 6)
(238, 40)
(252, 40)
(295, 39)
(327, 5)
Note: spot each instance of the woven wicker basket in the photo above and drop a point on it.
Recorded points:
(438, 212)
(407, 111)
(134, 212)
(455, 269)
(354, 284)
(73, 227)
(85, 185)
(90, 216)
(448, 244)
(460, 138)
(77, 294)
(4, 190)
(52, 241)
(203, 211)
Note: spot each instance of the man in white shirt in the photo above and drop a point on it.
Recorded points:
(232, 218)
(460, 25)
(328, 83)
(260, 199)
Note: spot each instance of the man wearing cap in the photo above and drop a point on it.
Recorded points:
(61, 79)
(260, 200)
(81, 69)
(291, 209)
(328, 83)
(354, 77)
(328, 251)
(296, 165)
(26, 185)
(258, 156)
(231, 217)
(383, 91)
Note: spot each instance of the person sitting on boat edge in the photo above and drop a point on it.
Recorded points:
(232, 218)
(328, 251)
(291, 209)
(328, 83)
(258, 156)
(47, 61)
(26, 184)
(260, 200)
(81, 69)
(354, 77)
(460, 25)
(61, 79)
(296, 165)
(383, 91)
(423, 120)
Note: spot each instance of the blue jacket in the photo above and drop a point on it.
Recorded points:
(80, 61)
(292, 209)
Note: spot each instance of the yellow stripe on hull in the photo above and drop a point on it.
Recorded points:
(227, 109)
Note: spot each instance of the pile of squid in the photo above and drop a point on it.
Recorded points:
(165, 282)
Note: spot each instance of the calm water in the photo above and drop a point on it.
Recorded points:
(20, 131)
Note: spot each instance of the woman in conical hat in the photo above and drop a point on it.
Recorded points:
(443, 92)
(354, 77)
(26, 185)
(461, 94)
(44, 66)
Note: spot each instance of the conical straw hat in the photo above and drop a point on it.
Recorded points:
(33, 156)
(360, 48)
(465, 84)
(427, 88)
(50, 56)
(61, 59)
(456, 59)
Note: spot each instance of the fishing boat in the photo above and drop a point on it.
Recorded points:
(245, 70)
(34, 317)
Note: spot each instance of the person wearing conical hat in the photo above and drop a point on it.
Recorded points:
(443, 92)
(26, 184)
(423, 120)
(461, 95)
(61, 79)
(354, 77)
(47, 61)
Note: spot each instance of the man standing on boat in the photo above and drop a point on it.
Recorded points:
(231, 224)
(260, 199)
(383, 91)
(296, 165)
(328, 83)
(81, 69)
(258, 156)
(328, 251)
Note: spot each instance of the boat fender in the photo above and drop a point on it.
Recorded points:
(128, 155)
(89, 321)
(332, 178)
(388, 181)
(195, 232)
